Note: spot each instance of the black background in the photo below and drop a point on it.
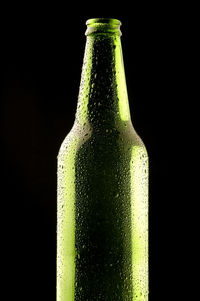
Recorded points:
(41, 63)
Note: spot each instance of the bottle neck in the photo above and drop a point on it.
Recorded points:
(103, 99)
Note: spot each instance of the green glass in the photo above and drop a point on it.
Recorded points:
(102, 213)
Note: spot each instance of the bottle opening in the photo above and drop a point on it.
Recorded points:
(103, 21)
(103, 25)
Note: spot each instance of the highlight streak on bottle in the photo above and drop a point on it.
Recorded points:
(121, 83)
(66, 221)
(84, 90)
(139, 203)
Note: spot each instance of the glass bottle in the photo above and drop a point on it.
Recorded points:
(102, 213)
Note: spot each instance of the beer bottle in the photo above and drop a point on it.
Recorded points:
(102, 213)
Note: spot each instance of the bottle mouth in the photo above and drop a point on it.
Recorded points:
(110, 21)
(103, 25)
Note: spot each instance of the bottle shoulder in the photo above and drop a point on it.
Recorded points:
(68, 142)
(102, 140)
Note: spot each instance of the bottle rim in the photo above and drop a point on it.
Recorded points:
(103, 26)
(109, 21)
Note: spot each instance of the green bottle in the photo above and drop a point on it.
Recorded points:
(102, 213)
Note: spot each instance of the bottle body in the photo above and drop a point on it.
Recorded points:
(102, 216)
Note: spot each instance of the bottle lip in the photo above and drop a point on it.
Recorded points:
(103, 25)
(109, 21)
